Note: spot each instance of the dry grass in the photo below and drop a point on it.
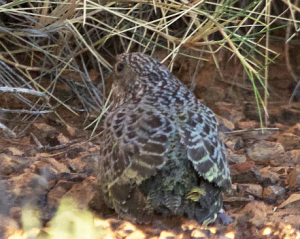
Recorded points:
(48, 45)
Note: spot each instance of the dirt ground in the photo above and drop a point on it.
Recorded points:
(265, 170)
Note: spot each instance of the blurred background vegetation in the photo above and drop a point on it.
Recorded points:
(59, 54)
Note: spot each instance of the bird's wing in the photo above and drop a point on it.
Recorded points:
(134, 146)
(199, 134)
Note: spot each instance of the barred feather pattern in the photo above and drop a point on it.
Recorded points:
(159, 146)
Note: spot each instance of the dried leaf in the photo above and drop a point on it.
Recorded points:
(293, 198)
(292, 178)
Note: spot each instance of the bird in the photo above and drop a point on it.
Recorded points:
(160, 150)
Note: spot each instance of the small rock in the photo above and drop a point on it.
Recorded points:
(189, 225)
(197, 233)
(46, 134)
(56, 194)
(167, 235)
(74, 152)
(268, 176)
(253, 189)
(125, 229)
(289, 141)
(61, 168)
(13, 164)
(294, 129)
(265, 150)
(229, 112)
(104, 229)
(256, 210)
(281, 127)
(62, 139)
(31, 151)
(14, 151)
(289, 158)
(222, 121)
(28, 184)
(26, 188)
(259, 223)
(86, 163)
(239, 168)
(66, 185)
(246, 172)
(136, 235)
(235, 143)
(237, 202)
(229, 235)
(38, 183)
(47, 172)
(250, 124)
(272, 193)
(223, 218)
(6, 165)
(235, 158)
(87, 194)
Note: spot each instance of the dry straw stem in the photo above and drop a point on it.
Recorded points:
(61, 38)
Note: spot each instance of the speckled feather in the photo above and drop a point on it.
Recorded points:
(160, 146)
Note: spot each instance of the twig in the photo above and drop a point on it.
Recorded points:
(7, 130)
(22, 90)
(33, 112)
(38, 143)
(61, 146)
(249, 130)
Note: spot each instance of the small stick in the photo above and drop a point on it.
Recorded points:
(22, 90)
(7, 130)
(38, 143)
(249, 130)
(61, 146)
(33, 112)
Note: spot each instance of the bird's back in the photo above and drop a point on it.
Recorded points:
(161, 152)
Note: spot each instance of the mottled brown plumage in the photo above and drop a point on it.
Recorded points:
(160, 146)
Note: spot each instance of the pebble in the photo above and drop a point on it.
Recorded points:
(235, 158)
(229, 112)
(268, 176)
(253, 189)
(263, 150)
(167, 235)
(136, 235)
(250, 124)
(272, 193)
(289, 158)
(289, 141)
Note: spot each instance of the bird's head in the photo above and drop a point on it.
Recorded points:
(136, 75)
